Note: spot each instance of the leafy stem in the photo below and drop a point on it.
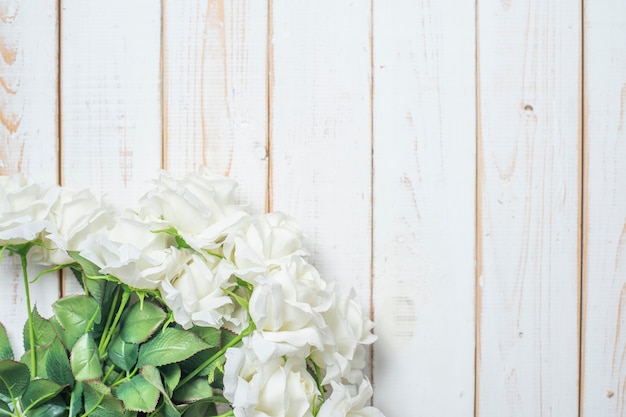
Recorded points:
(106, 338)
(128, 376)
(54, 269)
(101, 347)
(31, 325)
(95, 406)
(218, 354)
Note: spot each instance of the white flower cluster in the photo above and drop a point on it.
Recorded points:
(191, 241)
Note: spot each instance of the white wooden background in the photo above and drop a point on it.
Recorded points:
(461, 163)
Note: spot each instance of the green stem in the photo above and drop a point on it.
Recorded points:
(54, 269)
(31, 326)
(108, 322)
(126, 378)
(6, 413)
(219, 354)
(228, 413)
(108, 374)
(104, 342)
(318, 378)
(87, 413)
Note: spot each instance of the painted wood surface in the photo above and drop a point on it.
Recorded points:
(424, 209)
(434, 155)
(110, 98)
(320, 123)
(28, 132)
(215, 96)
(529, 214)
(604, 295)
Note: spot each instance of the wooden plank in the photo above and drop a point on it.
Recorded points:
(320, 123)
(28, 132)
(424, 207)
(111, 98)
(529, 207)
(215, 77)
(604, 295)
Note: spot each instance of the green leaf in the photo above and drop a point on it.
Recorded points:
(44, 332)
(85, 360)
(200, 409)
(89, 268)
(141, 322)
(216, 367)
(52, 363)
(5, 407)
(57, 364)
(57, 409)
(14, 378)
(170, 346)
(209, 334)
(6, 352)
(137, 394)
(76, 314)
(76, 399)
(171, 376)
(39, 391)
(122, 354)
(63, 336)
(152, 375)
(40, 355)
(195, 390)
(198, 360)
(99, 402)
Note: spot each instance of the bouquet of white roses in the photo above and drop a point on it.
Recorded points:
(192, 306)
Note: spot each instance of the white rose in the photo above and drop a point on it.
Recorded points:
(267, 240)
(343, 354)
(195, 293)
(348, 401)
(130, 251)
(287, 308)
(73, 216)
(24, 208)
(200, 207)
(278, 388)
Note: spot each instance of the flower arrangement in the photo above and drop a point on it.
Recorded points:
(192, 306)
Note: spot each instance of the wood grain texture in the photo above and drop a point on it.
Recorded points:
(321, 132)
(604, 296)
(215, 77)
(28, 132)
(424, 207)
(111, 97)
(529, 208)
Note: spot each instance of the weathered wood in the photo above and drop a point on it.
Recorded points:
(529, 215)
(28, 133)
(110, 96)
(320, 124)
(424, 207)
(604, 295)
(215, 101)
